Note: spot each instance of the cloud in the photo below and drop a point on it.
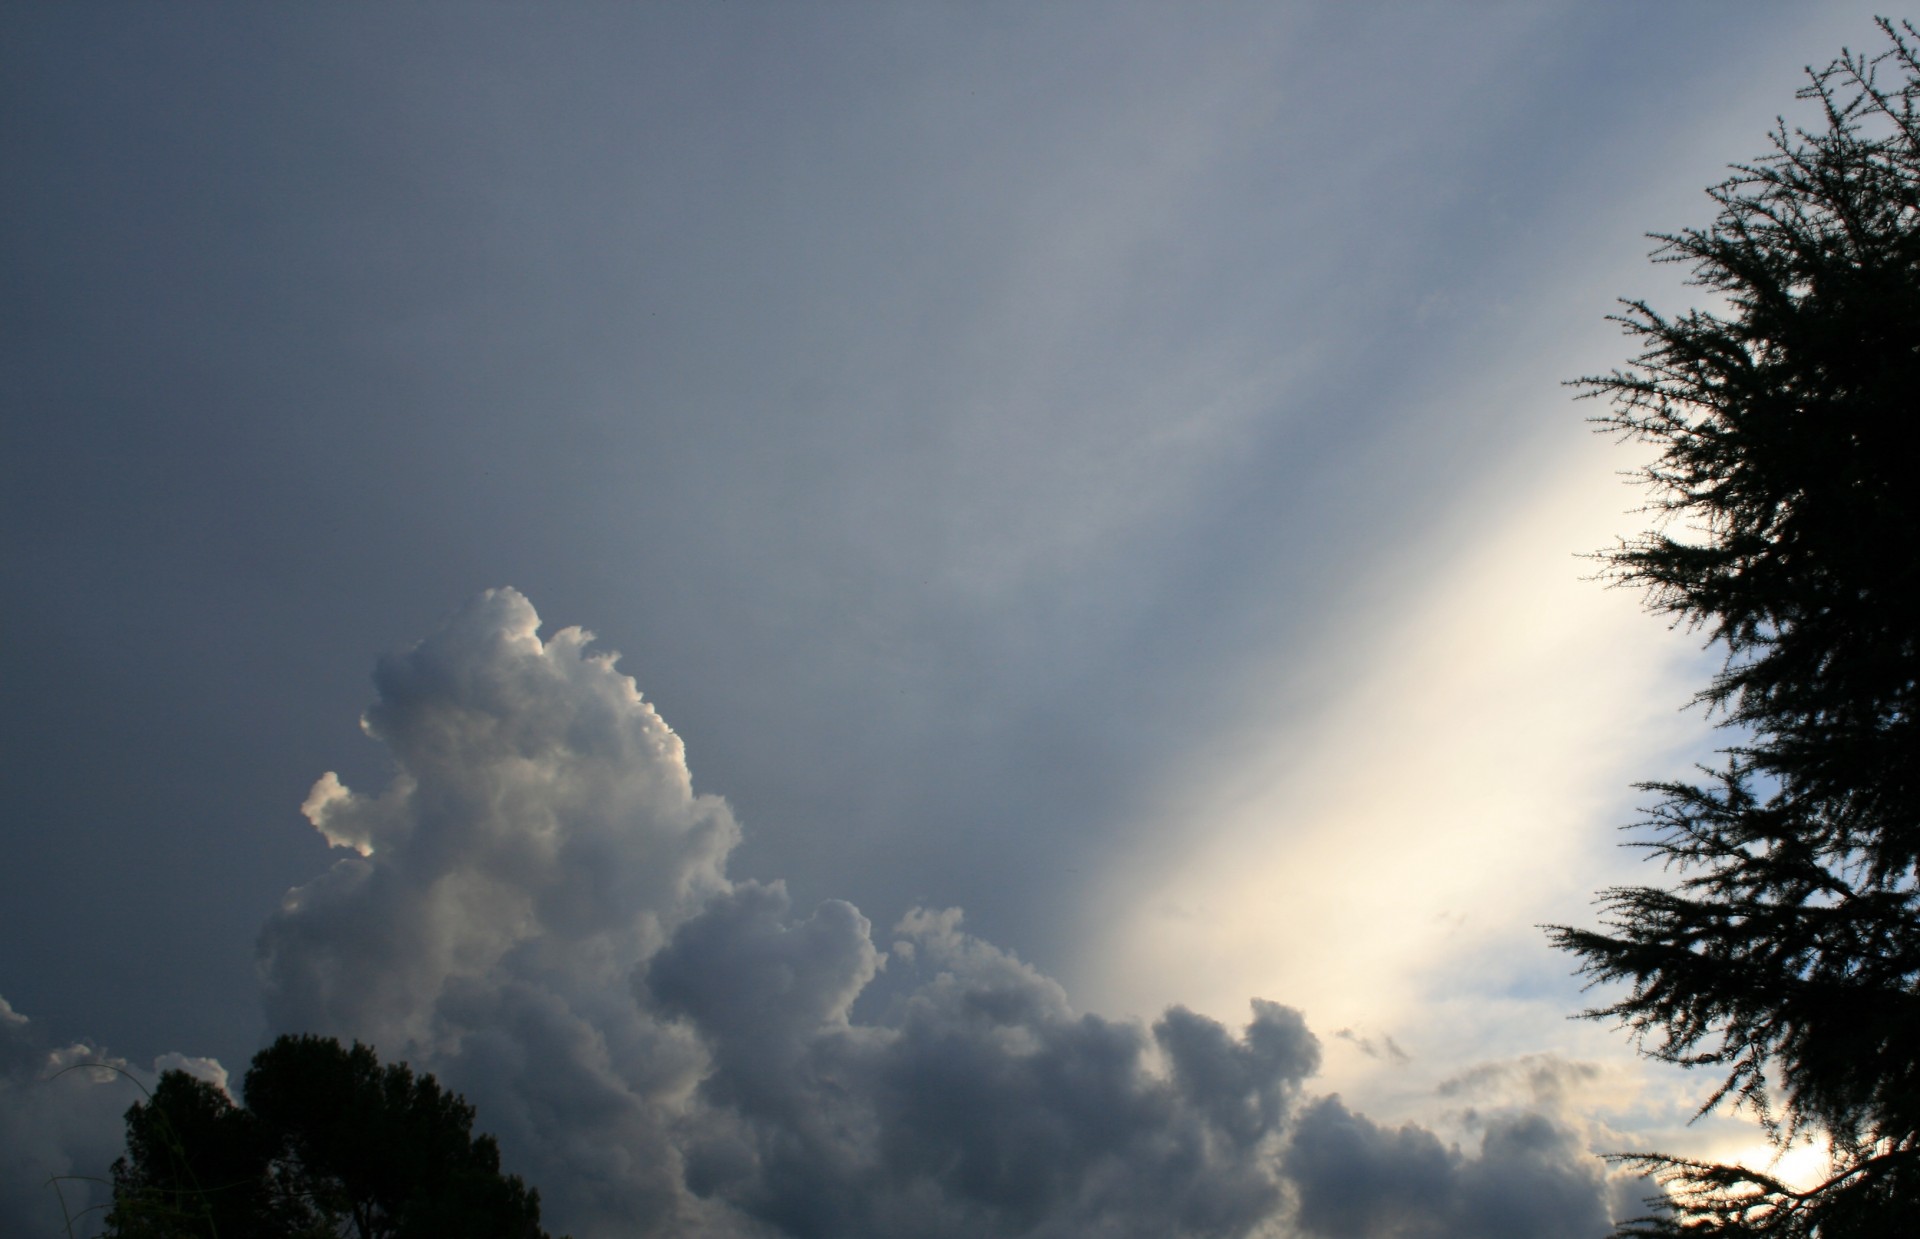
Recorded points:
(977, 1103)
(1383, 1048)
(1539, 1079)
(539, 839)
(61, 1120)
(542, 817)
(536, 908)
(1359, 1180)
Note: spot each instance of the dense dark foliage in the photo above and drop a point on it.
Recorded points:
(329, 1143)
(1787, 422)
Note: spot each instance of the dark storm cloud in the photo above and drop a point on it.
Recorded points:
(1359, 1180)
(978, 1103)
(537, 908)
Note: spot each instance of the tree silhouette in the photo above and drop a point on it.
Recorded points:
(1786, 953)
(195, 1165)
(329, 1143)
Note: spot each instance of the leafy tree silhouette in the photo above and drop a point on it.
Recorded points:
(1786, 953)
(329, 1143)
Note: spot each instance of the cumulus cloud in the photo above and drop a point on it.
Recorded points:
(1359, 1180)
(61, 1126)
(978, 1104)
(1507, 1094)
(542, 822)
(536, 908)
(539, 839)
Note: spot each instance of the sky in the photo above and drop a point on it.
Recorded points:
(1088, 512)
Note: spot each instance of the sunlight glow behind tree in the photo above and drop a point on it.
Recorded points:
(1787, 954)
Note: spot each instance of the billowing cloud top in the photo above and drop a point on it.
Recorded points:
(537, 909)
(542, 827)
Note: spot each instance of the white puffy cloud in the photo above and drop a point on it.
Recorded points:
(542, 825)
(539, 839)
(536, 908)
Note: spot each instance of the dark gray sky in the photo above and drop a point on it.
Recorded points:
(1100, 466)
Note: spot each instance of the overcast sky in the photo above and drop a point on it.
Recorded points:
(1100, 467)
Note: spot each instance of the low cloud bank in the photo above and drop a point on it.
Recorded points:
(1359, 1180)
(536, 908)
(62, 1111)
